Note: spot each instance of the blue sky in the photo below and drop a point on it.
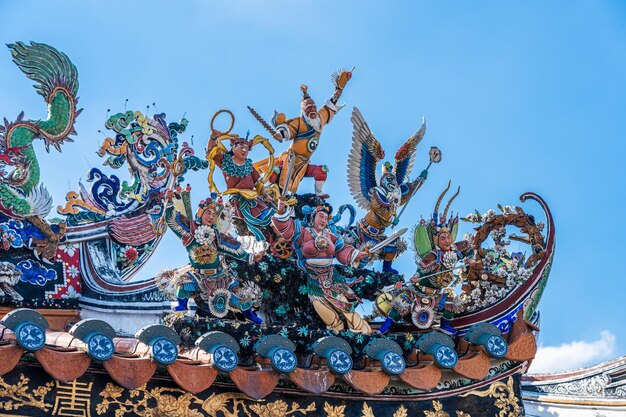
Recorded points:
(519, 97)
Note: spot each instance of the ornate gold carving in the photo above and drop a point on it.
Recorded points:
(219, 403)
(400, 412)
(334, 411)
(173, 402)
(17, 396)
(167, 405)
(506, 400)
(438, 411)
(280, 409)
(73, 399)
(367, 411)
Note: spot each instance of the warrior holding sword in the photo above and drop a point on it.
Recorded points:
(427, 297)
(381, 199)
(304, 131)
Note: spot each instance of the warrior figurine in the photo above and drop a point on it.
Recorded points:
(427, 296)
(304, 132)
(316, 247)
(206, 246)
(382, 200)
(245, 185)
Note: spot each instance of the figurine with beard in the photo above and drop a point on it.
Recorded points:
(304, 131)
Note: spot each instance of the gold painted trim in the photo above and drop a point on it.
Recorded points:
(504, 394)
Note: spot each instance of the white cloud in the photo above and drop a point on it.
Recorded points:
(574, 355)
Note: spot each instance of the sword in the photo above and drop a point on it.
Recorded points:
(394, 236)
(266, 125)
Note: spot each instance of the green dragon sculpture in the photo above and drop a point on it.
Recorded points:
(22, 197)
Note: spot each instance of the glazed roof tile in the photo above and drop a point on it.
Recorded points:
(64, 357)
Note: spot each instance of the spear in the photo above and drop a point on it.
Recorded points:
(435, 157)
(410, 284)
(263, 122)
(175, 169)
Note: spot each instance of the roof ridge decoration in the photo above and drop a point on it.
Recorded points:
(602, 381)
(275, 276)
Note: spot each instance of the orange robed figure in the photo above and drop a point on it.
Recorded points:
(304, 131)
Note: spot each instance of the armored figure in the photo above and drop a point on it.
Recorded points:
(426, 297)
(206, 246)
(381, 200)
(316, 247)
(304, 131)
(245, 185)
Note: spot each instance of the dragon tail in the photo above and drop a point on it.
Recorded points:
(56, 80)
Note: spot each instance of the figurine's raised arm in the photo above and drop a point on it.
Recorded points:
(304, 131)
(215, 134)
(340, 79)
(177, 221)
(208, 277)
(245, 185)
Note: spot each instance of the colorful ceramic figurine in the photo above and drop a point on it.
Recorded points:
(426, 298)
(317, 247)
(22, 197)
(382, 199)
(206, 247)
(245, 185)
(304, 131)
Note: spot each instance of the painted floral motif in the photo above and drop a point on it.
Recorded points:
(439, 412)
(70, 287)
(9, 238)
(334, 411)
(165, 404)
(245, 341)
(17, 396)
(401, 412)
(72, 271)
(173, 402)
(70, 293)
(68, 248)
(128, 256)
(280, 409)
(204, 235)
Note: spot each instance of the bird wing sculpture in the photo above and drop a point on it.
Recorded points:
(179, 223)
(364, 157)
(405, 157)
